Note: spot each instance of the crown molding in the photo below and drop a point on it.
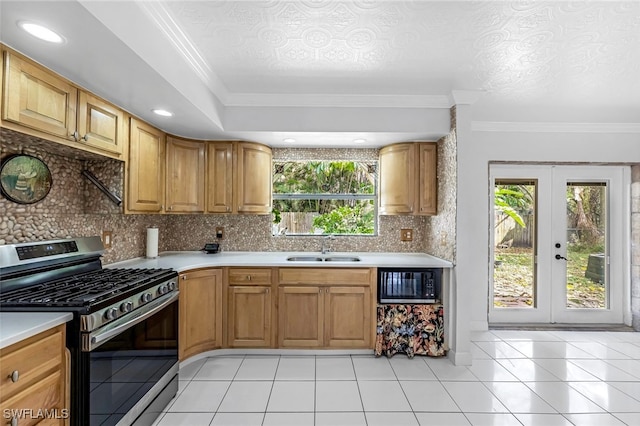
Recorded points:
(336, 100)
(464, 97)
(546, 127)
(163, 18)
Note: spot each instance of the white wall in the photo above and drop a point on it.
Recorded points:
(475, 152)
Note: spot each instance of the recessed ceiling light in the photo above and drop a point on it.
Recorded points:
(163, 112)
(289, 140)
(359, 140)
(43, 33)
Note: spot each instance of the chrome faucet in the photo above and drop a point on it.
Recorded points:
(324, 243)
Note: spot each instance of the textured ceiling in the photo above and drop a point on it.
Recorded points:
(513, 50)
(383, 70)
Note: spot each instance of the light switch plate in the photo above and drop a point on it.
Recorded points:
(406, 235)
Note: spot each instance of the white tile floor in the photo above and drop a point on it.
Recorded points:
(517, 378)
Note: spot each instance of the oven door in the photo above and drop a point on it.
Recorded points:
(132, 362)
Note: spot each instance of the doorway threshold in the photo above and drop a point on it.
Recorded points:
(561, 326)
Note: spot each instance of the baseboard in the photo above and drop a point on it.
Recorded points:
(561, 326)
(478, 325)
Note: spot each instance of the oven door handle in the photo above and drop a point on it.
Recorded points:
(93, 340)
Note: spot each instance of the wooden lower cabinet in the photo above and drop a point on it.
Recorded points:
(249, 316)
(347, 318)
(200, 317)
(39, 367)
(300, 316)
(324, 316)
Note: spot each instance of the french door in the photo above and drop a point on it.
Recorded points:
(559, 244)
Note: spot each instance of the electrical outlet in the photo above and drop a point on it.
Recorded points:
(219, 232)
(443, 238)
(107, 239)
(406, 235)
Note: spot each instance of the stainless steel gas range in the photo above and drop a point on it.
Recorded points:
(123, 337)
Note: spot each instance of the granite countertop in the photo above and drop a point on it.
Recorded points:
(186, 260)
(17, 326)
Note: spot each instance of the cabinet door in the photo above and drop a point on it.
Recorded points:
(428, 183)
(146, 168)
(185, 176)
(37, 99)
(219, 177)
(397, 179)
(347, 317)
(253, 177)
(300, 316)
(249, 316)
(200, 312)
(100, 124)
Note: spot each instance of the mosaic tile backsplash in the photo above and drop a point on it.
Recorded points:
(75, 207)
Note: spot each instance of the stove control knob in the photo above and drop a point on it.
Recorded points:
(126, 307)
(145, 297)
(163, 289)
(110, 313)
(171, 285)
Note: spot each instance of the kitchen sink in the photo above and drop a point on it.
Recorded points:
(320, 259)
(342, 259)
(304, 259)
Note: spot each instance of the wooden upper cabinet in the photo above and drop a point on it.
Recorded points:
(46, 105)
(146, 168)
(37, 99)
(427, 176)
(253, 178)
(185, 176)
(408, 179)
(397, 179)
(219, 177)
(100, 124)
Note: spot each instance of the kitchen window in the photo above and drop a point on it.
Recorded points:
(325, 197)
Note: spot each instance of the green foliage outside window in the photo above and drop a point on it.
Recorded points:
(328, 197)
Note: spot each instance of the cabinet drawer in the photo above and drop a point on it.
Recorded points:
(250, 276)
(316, 276)
(31, 359)
(45, 394)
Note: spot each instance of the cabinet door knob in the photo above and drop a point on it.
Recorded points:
(248, 277)
(267, 291)
(85, 137)
(14, 421)
(75, 135)
(184, 277)
(15, 375)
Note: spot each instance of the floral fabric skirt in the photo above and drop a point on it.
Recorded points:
(410, 329)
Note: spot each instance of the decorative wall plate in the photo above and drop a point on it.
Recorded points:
(24, 179)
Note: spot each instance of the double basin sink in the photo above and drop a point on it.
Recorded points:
(323, 258)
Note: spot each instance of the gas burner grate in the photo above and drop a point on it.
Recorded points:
(85, 289)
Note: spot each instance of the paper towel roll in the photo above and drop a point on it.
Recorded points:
(152, 242)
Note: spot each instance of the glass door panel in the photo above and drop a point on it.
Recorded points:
(587, 277)
(514, 227)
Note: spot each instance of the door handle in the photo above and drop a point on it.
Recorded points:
(558, 257)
